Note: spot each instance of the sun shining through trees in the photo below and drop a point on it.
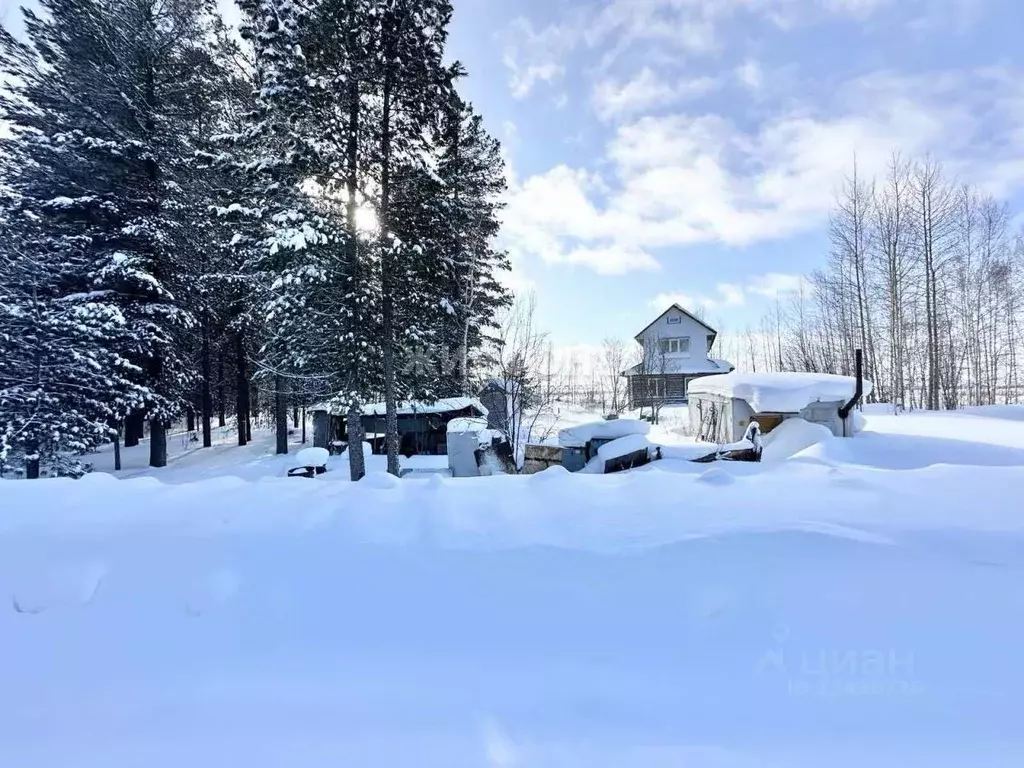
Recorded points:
(366, 219)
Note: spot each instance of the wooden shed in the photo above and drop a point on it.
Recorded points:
(422, 427)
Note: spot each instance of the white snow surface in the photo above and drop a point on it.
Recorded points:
(779, 392)
(623, 446)
(581, 434)
(857, 605)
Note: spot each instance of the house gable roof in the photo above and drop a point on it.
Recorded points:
(680, 309)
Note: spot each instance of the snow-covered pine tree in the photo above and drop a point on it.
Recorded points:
(472, 170)
(97, 98)
(94, 101)
(281, 151)
(409, 80)
(339, 56)
(63, 385)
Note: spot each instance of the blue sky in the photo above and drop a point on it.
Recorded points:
(689, 149)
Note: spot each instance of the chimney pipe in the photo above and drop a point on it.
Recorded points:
(844, 412)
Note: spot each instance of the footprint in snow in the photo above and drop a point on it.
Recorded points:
(60, 587)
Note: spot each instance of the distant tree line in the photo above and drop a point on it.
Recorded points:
(205, 225)
(926, 276)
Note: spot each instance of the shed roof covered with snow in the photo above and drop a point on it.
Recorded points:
(411, 408)
(788, 392)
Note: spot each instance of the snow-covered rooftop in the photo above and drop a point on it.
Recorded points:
(673, 365)
(779, 392)
(444, 405)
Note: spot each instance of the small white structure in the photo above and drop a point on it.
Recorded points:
(464, 437)
(721, 407)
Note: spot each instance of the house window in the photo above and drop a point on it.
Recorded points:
(676, 346)
(674, 320)
(655, 387)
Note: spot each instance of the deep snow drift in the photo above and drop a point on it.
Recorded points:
(797, 613)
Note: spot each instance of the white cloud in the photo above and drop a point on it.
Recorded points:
(536, 56)
(611, 259)
(776, 284)
(663, 301)
(645, 91)
(750, 75)
(523, 79)
(726, 295)
(552, 217)
(858, 8)
(677, 180)
(681, 179)
(731, 295)
(673, 27)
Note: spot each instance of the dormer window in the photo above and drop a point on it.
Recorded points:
(676, 346)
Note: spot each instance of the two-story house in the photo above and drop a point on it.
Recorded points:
(676, 349)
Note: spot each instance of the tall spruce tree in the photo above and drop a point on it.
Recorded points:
(410, 79)
(95, 100)
(472, 170)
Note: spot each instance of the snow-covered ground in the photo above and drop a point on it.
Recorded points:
(858, 604)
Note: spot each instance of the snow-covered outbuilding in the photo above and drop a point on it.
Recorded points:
(721, 407)
(422, 427)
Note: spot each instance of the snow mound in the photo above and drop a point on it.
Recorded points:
(716, 476)
(623, 446)
(791, 437)
(381, 480)
(554, 473)
(312, 457)
(612, 429)
(779, 392)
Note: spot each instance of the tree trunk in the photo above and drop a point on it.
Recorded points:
(356, 462)
(357, 466)
(304, 425)
(32, 465)
(133, 429)
(190, 419)
(205, 395)
(157, 443)
(295, 417)
(387, 273)
(221, 404)
(157, 424)
(281, 414)
(241, 391)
